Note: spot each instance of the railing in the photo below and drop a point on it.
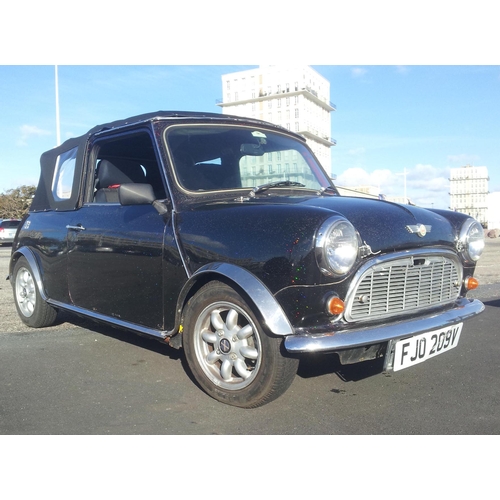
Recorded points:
(267, 94)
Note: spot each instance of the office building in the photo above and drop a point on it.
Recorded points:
(469, 192)
(297, 98)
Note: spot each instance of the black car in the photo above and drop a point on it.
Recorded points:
(225, 236)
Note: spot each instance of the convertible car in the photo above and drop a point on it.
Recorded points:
(225, 237)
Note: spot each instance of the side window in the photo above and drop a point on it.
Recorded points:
(124, 159)
(64, 173)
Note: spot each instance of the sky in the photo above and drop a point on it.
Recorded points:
(389, 119)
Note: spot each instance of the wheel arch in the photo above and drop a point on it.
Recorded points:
(33, 263)
(256, 294)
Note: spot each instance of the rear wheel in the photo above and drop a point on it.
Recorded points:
(32, 309)
(230, 356)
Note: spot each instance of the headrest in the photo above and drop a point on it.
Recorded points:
(109, 174)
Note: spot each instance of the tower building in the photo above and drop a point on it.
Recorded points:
(469, 192)
(297, 98)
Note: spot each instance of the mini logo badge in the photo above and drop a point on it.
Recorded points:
(225, 346)
(419, 229)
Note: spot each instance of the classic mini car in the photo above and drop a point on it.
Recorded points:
(224, 236)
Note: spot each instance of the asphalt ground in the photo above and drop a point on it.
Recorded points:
(487, 272)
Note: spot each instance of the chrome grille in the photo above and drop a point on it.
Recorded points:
(403, 285)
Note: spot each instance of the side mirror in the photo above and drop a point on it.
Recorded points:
(136, 194)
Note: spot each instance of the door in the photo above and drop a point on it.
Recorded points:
(115, 262)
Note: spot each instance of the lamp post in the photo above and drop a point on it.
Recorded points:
(58, 125)
(404, 174)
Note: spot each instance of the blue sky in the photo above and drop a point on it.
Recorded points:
(419, 118)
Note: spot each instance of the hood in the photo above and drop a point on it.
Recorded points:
(383, 225)
(389, 226)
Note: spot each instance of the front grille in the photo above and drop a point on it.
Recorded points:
(407, 284)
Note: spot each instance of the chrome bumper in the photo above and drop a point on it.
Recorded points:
(348, 339)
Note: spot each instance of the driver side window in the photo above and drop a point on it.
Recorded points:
(126, 159)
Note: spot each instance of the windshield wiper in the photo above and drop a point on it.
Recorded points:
(269, 185)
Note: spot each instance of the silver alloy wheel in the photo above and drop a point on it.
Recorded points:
(227, 345)
(25, 292)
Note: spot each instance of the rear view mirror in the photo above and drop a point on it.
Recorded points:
(252, 149)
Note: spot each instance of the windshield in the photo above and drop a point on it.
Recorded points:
(211, 157)
(9, 224)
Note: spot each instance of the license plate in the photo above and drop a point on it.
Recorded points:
(409, 352)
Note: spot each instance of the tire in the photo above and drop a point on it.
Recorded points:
(32, 309)
(228, 353)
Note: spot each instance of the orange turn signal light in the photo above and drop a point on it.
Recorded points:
(335, 306)
(471, 283)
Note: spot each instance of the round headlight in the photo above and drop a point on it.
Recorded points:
(472, 240)
(336, 247)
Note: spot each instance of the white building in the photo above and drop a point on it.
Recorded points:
(372, 192)
(494, 210)
(469, 192)
(359, 191)
(297, 98)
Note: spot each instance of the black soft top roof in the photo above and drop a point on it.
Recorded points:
(163, 115)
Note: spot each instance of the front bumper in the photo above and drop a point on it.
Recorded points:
(339, 340)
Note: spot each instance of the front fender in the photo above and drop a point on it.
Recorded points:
(261, 299)
(33, 263)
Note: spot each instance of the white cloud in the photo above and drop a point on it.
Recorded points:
(28, 131)
(429, 178)
(402, 70)
(358, 72)
(360, 177)
(425, 185)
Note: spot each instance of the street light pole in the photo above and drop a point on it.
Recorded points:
(406, 198)
(404, 175)
(58, 125)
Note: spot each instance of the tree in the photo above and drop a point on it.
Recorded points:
(15, 203)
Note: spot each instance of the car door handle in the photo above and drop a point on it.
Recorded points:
(75, 228)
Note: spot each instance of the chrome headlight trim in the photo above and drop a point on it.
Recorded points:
(336, 247)
(471, 240)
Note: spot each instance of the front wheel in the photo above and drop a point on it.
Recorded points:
(32, 309)
(230, 356)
